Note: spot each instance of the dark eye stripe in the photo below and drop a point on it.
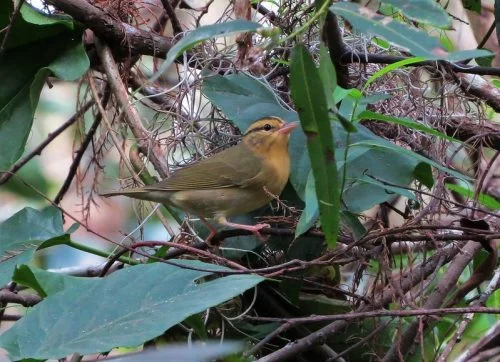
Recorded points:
(263, 128)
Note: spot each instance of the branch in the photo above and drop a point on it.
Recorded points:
(144, 142)
(26, 300)
(472, 350)
(114, 31)
(79, 155)
(376, 314)
(333, 38)
(365, 58)
(408, 281)
(143, 42)
(402, 346)
(169, 9)
(480, 88)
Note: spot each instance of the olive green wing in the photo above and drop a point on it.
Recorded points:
(235, 167)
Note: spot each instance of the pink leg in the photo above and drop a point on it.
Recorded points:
(213, 231)
(253, 228)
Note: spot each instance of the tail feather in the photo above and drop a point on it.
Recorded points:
(135, 193)
(141, 194)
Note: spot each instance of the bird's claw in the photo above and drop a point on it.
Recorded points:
(256, 230)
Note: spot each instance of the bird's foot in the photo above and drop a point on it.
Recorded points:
(253, 228)
(256, 230)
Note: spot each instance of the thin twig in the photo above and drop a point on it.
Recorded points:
(144, 141)
(79, 154)
(169, 9)
(402, 345)
(13, 18)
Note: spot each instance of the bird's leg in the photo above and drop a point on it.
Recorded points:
(253, 228)
(213, 231)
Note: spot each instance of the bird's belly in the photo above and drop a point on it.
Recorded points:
(220, 202)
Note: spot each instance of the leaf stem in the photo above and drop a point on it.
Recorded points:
(98, 252)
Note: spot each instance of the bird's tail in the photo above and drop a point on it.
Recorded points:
(141, 194)
(135, 193)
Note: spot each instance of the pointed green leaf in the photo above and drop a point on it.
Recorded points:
(310, 213)
(23, 233)
(127, 308)
(310, 100)
(49, 45)
(407, 123)
(418, 42)
(483, 199)
(424, 11)
(423, 173)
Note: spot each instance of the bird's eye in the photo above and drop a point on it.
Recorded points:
(267, 127)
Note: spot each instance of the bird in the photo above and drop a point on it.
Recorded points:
(235, 181)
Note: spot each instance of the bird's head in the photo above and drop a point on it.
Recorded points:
(268, 134)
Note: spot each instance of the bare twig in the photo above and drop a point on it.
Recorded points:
(169, 9)
(9, 27)
(146, 145)
(377, 314)
(435, 300)
(319, 337)
(79, 155)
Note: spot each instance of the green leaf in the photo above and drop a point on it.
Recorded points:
(35, 50)
(483, 199)
(423, 173)
(194, 37)
(424, 11)
(351, 222)
(407, 122)
(328, 76)
(310, 213)
(24, 276)
(387, 188)
(127, 308)
(472, 5)
(47, 283)
(33, 25)
(244, 99)
(415, 156)
(418, 42)
(23, 233)
(389, 68)
(485, 61)
(309, 97)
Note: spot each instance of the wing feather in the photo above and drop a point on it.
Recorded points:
(235, 167)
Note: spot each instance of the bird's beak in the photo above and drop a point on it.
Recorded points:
(287, 128)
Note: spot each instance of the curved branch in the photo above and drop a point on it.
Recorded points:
(115, 32)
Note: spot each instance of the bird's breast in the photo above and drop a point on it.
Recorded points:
(277, 170)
